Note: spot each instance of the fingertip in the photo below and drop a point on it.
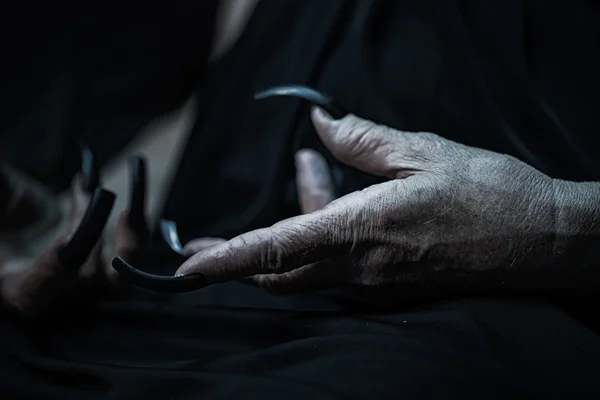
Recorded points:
(181, 271)
(326, 127)
(320, 117)
(301, 154)
(188, 267)
(196, 245)
(304, 157)
(213, 262)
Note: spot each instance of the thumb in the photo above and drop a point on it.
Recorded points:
(372, 148)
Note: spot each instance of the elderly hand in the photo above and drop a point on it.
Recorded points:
(447, 210)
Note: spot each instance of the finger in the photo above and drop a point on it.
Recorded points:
(315, 184)
(283, 247)
(373, 148)
(196, 245)
(303, 279)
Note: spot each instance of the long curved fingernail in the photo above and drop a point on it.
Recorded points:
(78, 249)
(159, 283)
(89, 169)
(309, 94)
(316, 98)
(168, 229)
(137, 205)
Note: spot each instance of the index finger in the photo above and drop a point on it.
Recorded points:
(285, 246)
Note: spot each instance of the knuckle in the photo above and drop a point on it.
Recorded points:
(358, 137)
(283, 249)
(423, 146)
(272, 256)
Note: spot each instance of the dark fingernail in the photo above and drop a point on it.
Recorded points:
(334, 110)
(89, 169)
(78, 249)
(159, 283)
(168, 229)
(137, 205)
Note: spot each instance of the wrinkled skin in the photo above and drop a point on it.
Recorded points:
(34, 226)
(447, 210)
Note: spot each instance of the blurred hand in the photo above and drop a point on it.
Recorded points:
(448, 209)
(34, 225)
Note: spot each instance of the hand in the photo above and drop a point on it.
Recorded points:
(447, 210)
(35, 224)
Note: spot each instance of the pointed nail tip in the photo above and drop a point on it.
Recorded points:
(260, 95)
(177, 283)
(171, 236)
(117, 261)
(318, 99)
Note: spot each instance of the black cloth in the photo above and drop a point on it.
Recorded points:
(513, 76)
(94, 74)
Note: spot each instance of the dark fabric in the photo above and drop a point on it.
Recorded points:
(511, 76)
(94, 74)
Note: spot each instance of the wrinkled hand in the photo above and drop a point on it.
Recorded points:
(34, 225)
(448, 209)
